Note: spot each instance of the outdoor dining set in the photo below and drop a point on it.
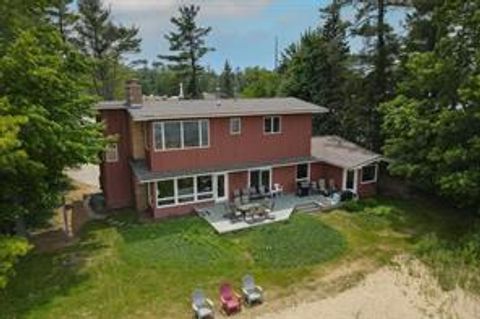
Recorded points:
(230, 300)
(253, 204)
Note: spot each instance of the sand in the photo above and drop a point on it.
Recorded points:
(404, 290)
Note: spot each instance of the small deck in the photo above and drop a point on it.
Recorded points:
(285, 205)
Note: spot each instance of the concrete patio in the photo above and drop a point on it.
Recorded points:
(285, 205)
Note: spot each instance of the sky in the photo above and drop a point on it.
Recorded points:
(243, 31)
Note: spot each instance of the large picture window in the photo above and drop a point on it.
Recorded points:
(170, 135)
(369, 174)
(271, 125)
(183, 190)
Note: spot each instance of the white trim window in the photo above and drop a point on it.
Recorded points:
(166, 192)
(272, 125)
(204, 187)
(369, 174)
(111, 153)
(303, 172)
(179, 135)
(184, 190)
(235, 126)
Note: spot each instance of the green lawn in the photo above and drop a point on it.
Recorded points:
(121, 268)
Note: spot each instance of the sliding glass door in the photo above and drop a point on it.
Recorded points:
(221, 187)
(260, 177)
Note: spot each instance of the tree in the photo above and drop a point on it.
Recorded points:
(188, 41)
(11, 248)
(259, 82)
(377, 60)
(316, 70)
(227, 81)
(44, 80)
(432, 126)
(61, 16)
(105, 42)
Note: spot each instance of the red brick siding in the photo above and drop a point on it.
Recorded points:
(285, 176)
(327, 171)
(250, 146)
(116, 177)
(366, 190)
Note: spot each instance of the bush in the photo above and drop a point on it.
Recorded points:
(11, 249)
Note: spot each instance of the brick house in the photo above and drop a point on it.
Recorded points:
(173, 155)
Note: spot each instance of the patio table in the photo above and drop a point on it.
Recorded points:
(249, 208)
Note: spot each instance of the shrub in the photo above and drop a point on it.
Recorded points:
(11, 249)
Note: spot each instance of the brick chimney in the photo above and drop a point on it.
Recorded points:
(133, 93)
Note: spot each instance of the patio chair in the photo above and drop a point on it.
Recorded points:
(229, 299)
(269, 207)
(236, 193)
(237, 201)
(277, 189)
(314, 187)
(253, 193)
(232, 212)
(251, 293)
(332, 188)
(202, 307)
(265, 192)
(322, 186)
(245, 196)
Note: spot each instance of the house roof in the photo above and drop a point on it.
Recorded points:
(177, 109)
(340, 152)
(143, 174)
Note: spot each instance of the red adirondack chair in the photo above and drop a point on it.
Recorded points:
(231, 302)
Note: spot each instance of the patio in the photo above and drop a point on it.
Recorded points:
(285, 205)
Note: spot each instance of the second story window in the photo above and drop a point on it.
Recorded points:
(235, 126)
(171, 135)
(271, 125)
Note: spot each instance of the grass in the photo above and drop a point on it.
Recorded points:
(121, 268)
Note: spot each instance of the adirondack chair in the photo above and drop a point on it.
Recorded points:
(202, 307)
(322, 186)
(229, 299)
(251, 292)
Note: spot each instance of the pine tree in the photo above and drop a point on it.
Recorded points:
(227, 81)
(377, 60)
(316, 70)
(62, 17)
(188, 41)
(105, 42)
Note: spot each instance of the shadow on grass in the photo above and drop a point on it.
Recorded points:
(41, 277)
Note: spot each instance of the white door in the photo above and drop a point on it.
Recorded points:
(221, 187)
(350, 179)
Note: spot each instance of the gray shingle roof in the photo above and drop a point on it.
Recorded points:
(143, 174)
(340, 152)
(177, 109)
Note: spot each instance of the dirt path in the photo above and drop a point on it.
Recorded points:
(406, 290)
